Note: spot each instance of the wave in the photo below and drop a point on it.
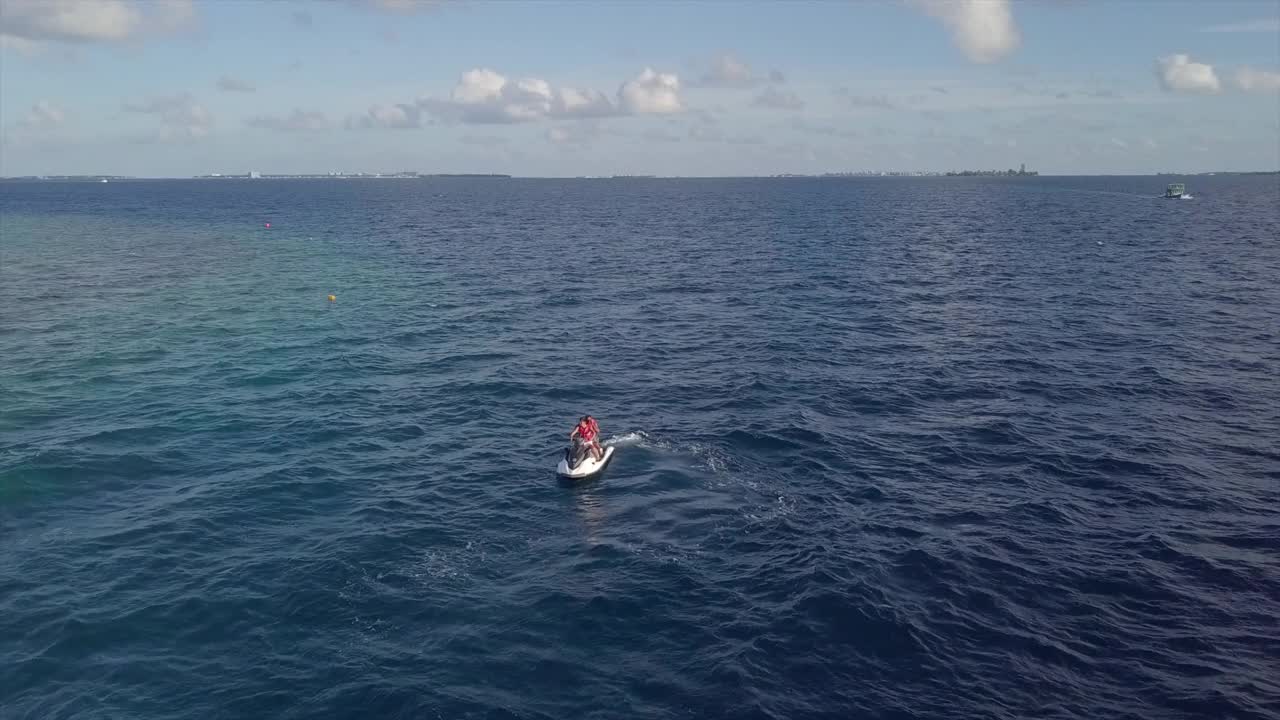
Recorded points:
(925, 467)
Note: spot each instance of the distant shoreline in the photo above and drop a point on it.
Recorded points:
(495, 176)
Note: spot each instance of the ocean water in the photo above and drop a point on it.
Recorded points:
(917, 448)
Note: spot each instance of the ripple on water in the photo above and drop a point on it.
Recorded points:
(882, 451)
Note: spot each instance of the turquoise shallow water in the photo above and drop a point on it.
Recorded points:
(963, 448)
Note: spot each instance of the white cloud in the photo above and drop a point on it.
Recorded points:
(230, 84)
(571, 102)
(1261, 25)
(483, 96)
(180, 115)
(1254, 80)
(727, 71)
(651, 93)
(1178, 73)
(298, 120)
(479, 85)
(1119, 143)
(984, 30)
(28, 23)
(44, 115)
(778, 99)
(399, 116)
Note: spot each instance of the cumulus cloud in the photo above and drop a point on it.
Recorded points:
(984, 30)
(778, 99)
(298, 120)
(484, 96)
(181, 117)
(399, 116)
(230, 84)
(1254, 80)
(1178, 73)
(44, 115)
(29, 23)
(651, 93)
(727, 71)
(571, 102)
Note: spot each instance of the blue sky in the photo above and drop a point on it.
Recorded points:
(710, 87)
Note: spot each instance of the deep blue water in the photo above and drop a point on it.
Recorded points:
(920, 448)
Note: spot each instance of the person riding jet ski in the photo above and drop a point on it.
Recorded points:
(589, 431)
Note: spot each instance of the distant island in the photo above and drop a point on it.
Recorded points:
(1204, 174)
(254, 176)
(344, 176)
(1020, 172)
(865, 173)
(410, 175)
(68, 178)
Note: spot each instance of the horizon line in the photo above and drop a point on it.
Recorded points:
(886, 174)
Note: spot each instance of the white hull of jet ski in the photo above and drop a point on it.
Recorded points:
(588, 467)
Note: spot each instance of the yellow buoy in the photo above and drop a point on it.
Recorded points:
(333, 298)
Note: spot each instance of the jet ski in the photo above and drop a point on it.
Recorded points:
(578, 463)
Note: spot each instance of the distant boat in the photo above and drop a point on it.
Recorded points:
(1176, 191)
(103, 180)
